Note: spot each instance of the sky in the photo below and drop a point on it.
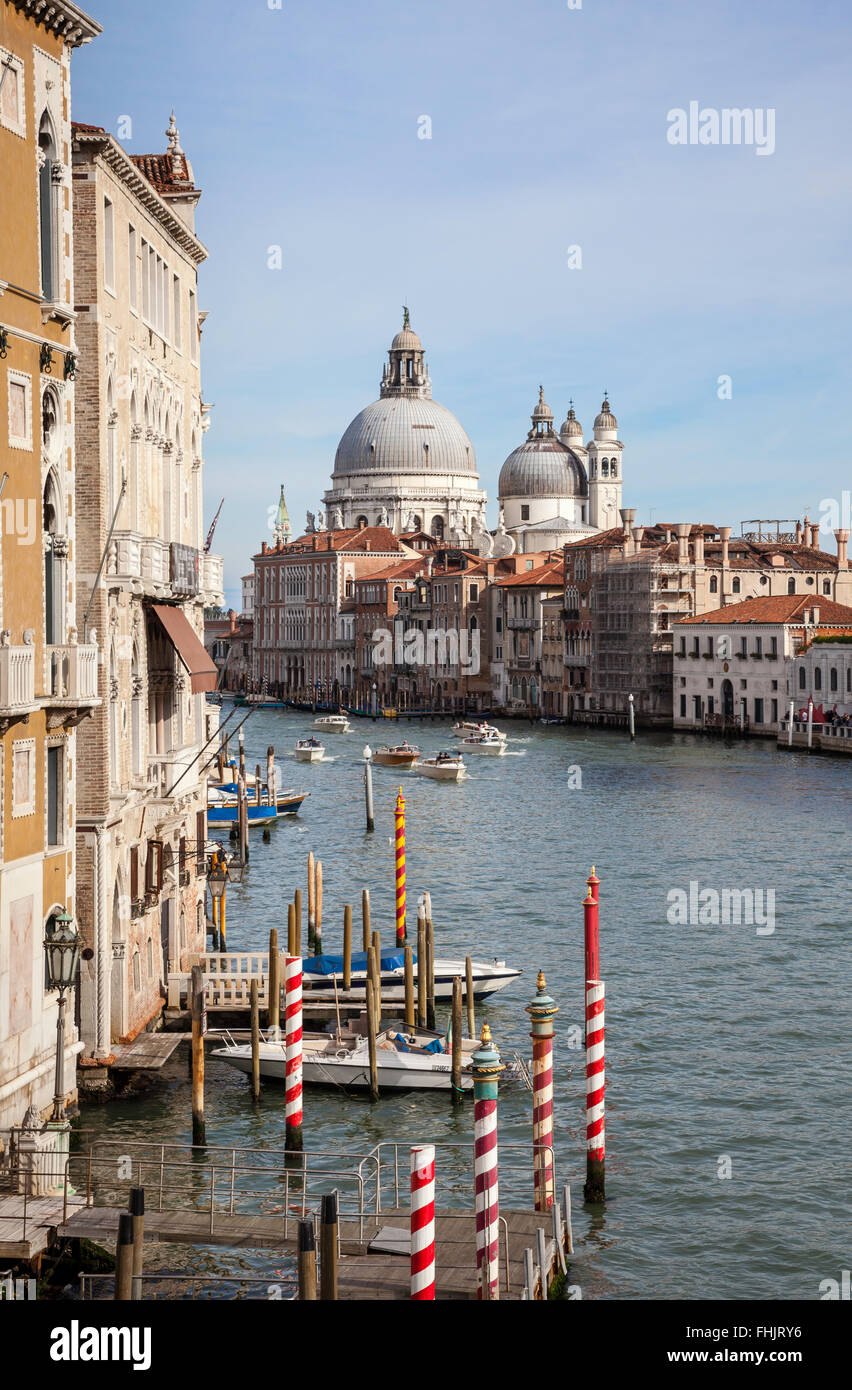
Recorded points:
(550, 131)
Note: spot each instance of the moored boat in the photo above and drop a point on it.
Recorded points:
(444, 767)
(322, 974)
(223, 806)
(309, 750)
(396, 755)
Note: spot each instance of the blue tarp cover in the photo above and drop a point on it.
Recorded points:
(333, 965)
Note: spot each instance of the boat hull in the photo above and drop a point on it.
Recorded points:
(395, 759)
(309, 755)
(495, 749)
(321, 987)
(351, 1070)
(438, 773)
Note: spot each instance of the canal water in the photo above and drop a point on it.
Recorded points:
(728, 1112)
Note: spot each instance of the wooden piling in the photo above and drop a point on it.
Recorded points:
(258, 785)
(471, 1004)
(377, 966)
(124, 1259)
(270, 770)
(255, 1041)
(371, 1041)
(222, 915)
(297, 909)
(273, 1003)
(410, 1021)
(365, 917)
(242, 757)
(311, 900)
(199, 1135)
(137, 1212)
(307, 1260)
(456, 1025)
(328, 1247)
(318, 910)
(422, 969)
(430, 973)
(291, 930)
(347, 948)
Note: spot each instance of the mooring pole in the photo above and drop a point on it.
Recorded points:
(137, 1212)
(456, 1038)
(307, 1259)
(542, 1012)
(273, 1003)
(328, 1246)
(595, 1187)
(293, 1051)
(318, 909)
(368, 788)
(410, 1021)
(196, 986)
(365, 918)
(486, 1067)
(123, 1288)
(422, 1221)
(790, 724)
(631, 716)
(371, 1035)
(399, 822)
(422, 968)
(311, 901)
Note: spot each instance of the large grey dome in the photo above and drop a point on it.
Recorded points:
(542, 468)
(405, 434)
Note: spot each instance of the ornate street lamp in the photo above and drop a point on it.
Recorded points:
(62, 949)
(217, 878)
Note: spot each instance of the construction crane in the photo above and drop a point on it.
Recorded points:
(209, 541)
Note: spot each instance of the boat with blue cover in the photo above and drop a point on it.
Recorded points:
(321, 973)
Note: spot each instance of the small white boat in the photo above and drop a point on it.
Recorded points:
(467, 728)
(444, 767)
(322, 976)
(332, 724)
(309, 750)
(485, 745)
(405, 1060)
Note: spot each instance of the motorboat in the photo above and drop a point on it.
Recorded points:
(396, 755)
(466, 728)
(332, 724)
(444, 767)
(406, 1059)
(309, 750)
(323, 975)
(223, 806)
(485, 745)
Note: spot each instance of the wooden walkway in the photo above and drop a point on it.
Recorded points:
(363, 1273)
(147, 1052)
(28, 1225)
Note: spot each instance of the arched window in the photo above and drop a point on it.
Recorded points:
(802, 678)
(473, 623)
(114, 743)
(361, 522)
(137, 971)
(515, 689)
(524, 689)
(136, 688)
(735, 586)
(832, 678)
(605, 468)
(168, 501)
(418, 523)
(113, 480)
(437, 527)
(49, 183)
(533, 692)
(791, 586)
(613, 469)
(714, 584)
(133, 476)
(817, 678)
(51, 422)
(55, 549)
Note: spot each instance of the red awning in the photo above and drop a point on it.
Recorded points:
(203, 674)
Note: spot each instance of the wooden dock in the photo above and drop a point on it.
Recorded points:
(147, 1052)
(28, 1225)
(363, 1272)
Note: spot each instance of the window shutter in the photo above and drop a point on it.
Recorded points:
(134, 872)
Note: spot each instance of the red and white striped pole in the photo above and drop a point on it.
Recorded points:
(542, 1011)
(595, 1186)
(293, 1050)
(399, 818)
(423, 1221)
(486, 1067)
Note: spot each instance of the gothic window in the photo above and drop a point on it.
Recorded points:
(605, 468)
(437, 527)
(49, 184)
(50, 422)
(714, 584)
(54, 565)
(735, 586)
(136, 688)
(791, 586)
(832, 678)
(613, 469)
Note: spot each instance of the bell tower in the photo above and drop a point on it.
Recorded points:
(605, 476)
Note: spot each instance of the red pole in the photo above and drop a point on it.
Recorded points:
(590, 913)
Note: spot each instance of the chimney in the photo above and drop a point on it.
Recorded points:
(628, 516)
(682, 529)
(815, 617)
(798, 533)
(638, 533)
(814, 541)
(842, 538)
(724, 537)
(699, 547)
(314, 542)
(263, 548)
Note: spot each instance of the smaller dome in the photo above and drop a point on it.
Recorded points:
(571, 425)
(542, 410)
(606, 420)
(406, 340)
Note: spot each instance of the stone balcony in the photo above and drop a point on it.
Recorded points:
(213, 580)
(71, 674)
(17, 680)
(525, 624)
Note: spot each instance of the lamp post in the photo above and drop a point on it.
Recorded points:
(368, 786)
(375, 700)
(216, 880)
(62, 949)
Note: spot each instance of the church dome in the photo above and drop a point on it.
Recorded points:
(542, 466)
(571, 426)
(605, 420)
(406, 340)
(405, 434)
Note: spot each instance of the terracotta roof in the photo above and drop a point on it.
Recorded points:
(546, 575)
(783, 608)
(403, 569)
(378, 538)
(603, 540)
(157, 169)
(92, 129)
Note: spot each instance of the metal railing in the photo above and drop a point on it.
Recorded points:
(88, 1282)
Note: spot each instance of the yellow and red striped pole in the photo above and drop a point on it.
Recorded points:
(399, 817)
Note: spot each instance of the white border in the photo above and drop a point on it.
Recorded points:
(10, 59)
(28, 807)
(19, 441)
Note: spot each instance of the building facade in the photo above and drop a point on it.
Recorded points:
(48, 670)
(140, 423)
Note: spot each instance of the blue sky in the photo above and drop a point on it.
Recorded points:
(549, 129)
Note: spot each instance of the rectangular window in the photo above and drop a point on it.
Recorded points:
(23, 777)
(773, 646)
(743, 646)
(20, 410)
(134, 872)
(774, 711)
(682, 647)
(12, 106)
(132, 288)
(54, 794)
(758, 711)
(146, 284)
(683, 706)
(193, 329)
(109, 245)
(176, 333)
(758, 646)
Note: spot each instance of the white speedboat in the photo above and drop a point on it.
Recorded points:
(485, 745)
(332, 724)
(444, 767)
(466, 728)
(323, 975)
(309, 750)
(405, 1060)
